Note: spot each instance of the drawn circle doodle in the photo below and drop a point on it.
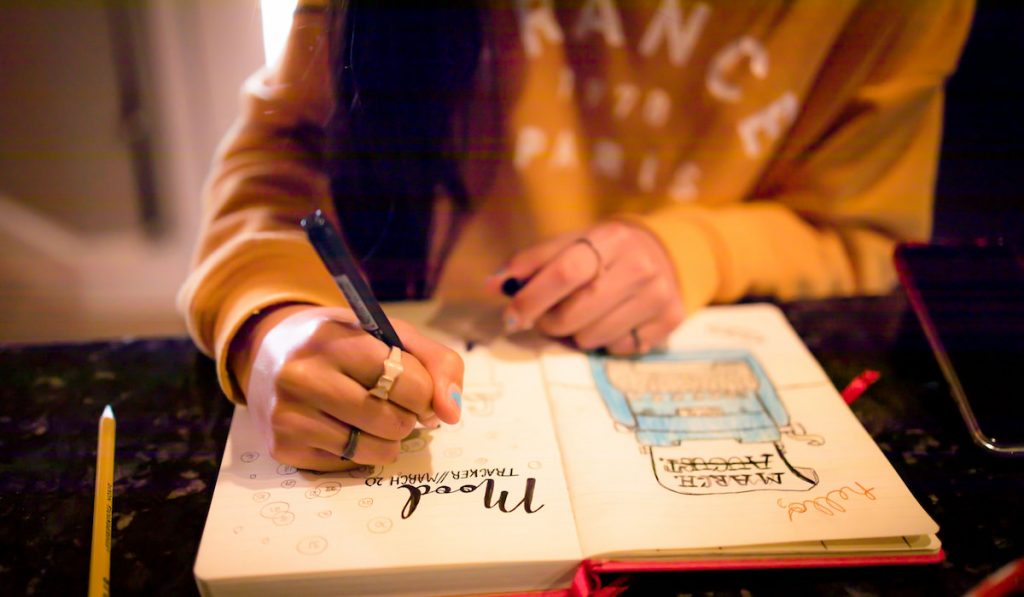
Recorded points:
(252, 476)
(413, 445)
(453, 452)
(311, 545)
(324, 513)
(366, 502)
(284, 518)
(273, 509)
(288, 483)
(238, 530)
(379, 524)
(326, 489)
(286, 469)
(311, 494)
(361, 472)
(260, 496)
(248, 457)
(534, 464)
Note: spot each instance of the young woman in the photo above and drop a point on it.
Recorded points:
(632, 163)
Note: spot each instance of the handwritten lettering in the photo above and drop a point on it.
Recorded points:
(717, 464)
(705, 481)
(438, 478)
(828, 504)
(416, 493)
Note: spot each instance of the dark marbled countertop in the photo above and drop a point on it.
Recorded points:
(172, 423)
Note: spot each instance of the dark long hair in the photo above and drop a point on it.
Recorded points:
(400, 76)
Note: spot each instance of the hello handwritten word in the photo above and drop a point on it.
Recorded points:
(828, 504)
(416, 493)
(706, 481)
(732, 463)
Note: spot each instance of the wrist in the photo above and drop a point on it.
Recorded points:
(246, 343)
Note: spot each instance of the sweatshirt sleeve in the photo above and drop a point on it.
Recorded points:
(855, 175)
(266, 175)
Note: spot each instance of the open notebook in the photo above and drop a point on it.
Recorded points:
(731, 449)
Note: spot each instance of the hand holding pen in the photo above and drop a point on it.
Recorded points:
(612, 287)
(329, 386)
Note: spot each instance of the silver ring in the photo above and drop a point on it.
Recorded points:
(392, 369)
(600, 260)
(350, 445)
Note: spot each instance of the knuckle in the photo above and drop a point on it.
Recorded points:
(280, 451)
(554, 323)
(675, 315)
(664, 287)
(398, 426)
(388, 452)
(585, 341)
(281, 421)
(621, 346)
(406, 423)
(567, 269)
(645, 268)
(292, 375)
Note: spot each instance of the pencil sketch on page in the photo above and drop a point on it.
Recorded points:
(711, 420)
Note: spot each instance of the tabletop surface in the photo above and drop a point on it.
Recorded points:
(172, 422)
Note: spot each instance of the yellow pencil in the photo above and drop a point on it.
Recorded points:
(103, 507)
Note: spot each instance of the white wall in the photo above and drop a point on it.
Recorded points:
(59, 283)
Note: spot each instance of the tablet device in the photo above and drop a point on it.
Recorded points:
(970, 301)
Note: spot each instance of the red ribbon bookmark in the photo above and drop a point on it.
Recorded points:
(859, 385)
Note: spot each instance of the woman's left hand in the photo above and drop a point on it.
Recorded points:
(613, 287)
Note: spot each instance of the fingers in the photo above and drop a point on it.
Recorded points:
(309, 388)
(341, 397)
(636, 326)
(310, 432)
(526, 263)
(445, 369)
(599, 288)
(592, 303)
(412, 390)
(571, 269)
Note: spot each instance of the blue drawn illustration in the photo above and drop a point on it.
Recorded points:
(711, 420)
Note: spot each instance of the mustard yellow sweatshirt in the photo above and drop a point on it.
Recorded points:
(774, 147)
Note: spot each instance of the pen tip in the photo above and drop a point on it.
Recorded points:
(108, 412)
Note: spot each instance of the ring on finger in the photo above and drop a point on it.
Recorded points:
(392, 369)
(350, 446)
(583, 240)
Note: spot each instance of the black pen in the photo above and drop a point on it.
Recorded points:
(342, 266)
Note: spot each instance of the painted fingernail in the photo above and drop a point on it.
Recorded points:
(455, 393)
(511, 322)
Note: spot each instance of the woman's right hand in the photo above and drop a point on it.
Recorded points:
(306, 373)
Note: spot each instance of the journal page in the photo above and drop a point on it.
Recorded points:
(733, 436)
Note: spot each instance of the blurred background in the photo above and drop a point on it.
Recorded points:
(110, 112)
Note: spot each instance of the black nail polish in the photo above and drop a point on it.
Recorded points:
(511, 286)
